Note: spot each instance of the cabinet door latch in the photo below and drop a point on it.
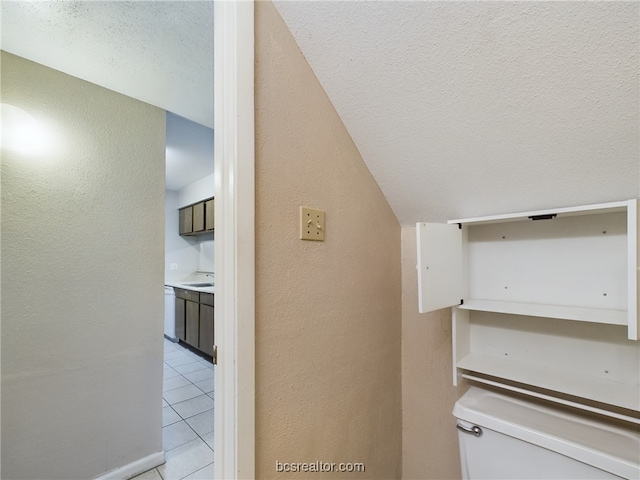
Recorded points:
(550, 216)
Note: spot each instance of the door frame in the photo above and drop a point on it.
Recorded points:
(234, 153)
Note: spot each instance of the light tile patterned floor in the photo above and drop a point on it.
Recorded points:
(187, 417)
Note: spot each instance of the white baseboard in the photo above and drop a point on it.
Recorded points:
(134, 468)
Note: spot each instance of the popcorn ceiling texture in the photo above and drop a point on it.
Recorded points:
(82, 274)
(462, 109)
(327, 313)
(458, 108)
(160, 52)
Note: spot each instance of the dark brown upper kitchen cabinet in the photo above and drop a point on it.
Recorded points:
(209, 212)
(197, 218)
(186, 220)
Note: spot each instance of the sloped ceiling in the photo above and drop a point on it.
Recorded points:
(160, 52)
(464, 109)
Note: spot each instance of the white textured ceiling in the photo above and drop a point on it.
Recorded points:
(470, 108)
(160, 52)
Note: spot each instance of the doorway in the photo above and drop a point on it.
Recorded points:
(188, 370)
(234, 210)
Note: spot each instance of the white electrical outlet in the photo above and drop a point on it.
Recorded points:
(173, 266)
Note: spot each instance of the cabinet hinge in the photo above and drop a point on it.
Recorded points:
(543, 217)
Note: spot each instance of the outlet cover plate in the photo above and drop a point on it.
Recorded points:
(312, 224)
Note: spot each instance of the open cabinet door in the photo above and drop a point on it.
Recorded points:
(440, 267)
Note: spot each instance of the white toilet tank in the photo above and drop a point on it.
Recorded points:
(507, 437)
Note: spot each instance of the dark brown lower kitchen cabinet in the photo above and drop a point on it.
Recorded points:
(206, 329)
(194, 319)
(186, 311)
(192, 323)
(180, 311)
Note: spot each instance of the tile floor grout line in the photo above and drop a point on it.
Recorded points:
(197, 470)
(169, 406)
(202, 438)
(178, 446)
(163, 390)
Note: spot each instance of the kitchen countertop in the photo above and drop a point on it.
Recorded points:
(185, 285)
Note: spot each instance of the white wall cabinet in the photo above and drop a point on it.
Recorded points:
(547, 299)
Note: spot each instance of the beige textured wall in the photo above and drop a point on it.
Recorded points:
(429, 437)
(328, 314)
(82, 272)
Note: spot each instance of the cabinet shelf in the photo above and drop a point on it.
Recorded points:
(596, 315)
(598, 389)
(550, 298)
(612, 207)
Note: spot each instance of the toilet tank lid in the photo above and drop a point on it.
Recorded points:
(609, 446)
